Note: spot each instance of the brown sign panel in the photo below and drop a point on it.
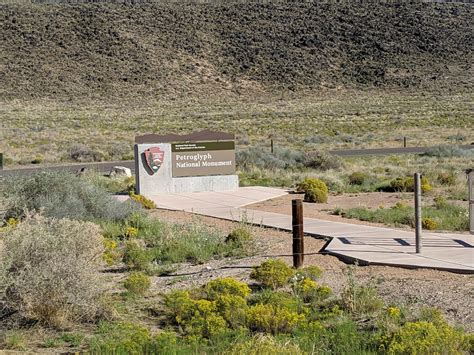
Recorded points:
(203, 158)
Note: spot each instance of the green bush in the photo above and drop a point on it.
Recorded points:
(358, 178)
(315, 195)
(49, 270)
(226, 286)
(279, 299)
(270, 319)
(137, 283)
(312, 272)
(233, 309)
(407, 184)
(242, 239)
(256, 157)
(360, 299)
(121, 338)
(264, 345)
(146, 203)
(309, 291)
(429, 224)
(272, 273)
(447, 178)
(321, 161)
(63, 195)
(135, 256)
(312, 183)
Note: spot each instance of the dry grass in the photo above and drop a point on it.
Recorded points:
(49, 129)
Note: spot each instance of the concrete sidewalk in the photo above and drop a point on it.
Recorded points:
(366, 244)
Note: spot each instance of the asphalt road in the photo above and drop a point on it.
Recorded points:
(105, 167)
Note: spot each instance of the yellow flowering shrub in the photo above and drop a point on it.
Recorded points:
(270, 319)
(426, 338)
(142, 200)
(233, 309)
(130, 232)
(272, 273)
(137, 283)
(111, 254)
(226, 286)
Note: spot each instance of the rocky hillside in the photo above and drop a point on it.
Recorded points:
(173, 49)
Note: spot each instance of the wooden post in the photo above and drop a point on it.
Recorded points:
(417, 182)
(1, 161)
(271, 145)
(470, 186)
(404, 142)
(298, 237)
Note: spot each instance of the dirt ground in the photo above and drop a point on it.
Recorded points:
(324, 210)
(453, 293)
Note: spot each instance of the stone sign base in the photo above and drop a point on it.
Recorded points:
(149, 182)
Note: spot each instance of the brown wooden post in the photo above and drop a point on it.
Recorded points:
(417, 182)
(271, 145)
(298, 237)
(1, 161)
(404, 142)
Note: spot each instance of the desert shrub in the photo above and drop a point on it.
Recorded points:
(112, 254)
(136, 256)
(440, 202)
(312, 272)
(263, 344)
(82, 153)
(270, 319)
(429, 223)
(343, 337)
(256, 157)
(358, 178)
(130, 232)
(321, 161)
(315, 195)
(233, 309)
(279, 299)
(121, 338)
(424, 337)
(137, 283)
(63, 195)
(309, 291)
(143, 201)
(407, 184)
(272, 273)
(360, 299)
(14, 340)
(226, 286)
(242, 239)
(448, 152)
(49, 270)
(447, 178)
(117, 184)
(312, 183)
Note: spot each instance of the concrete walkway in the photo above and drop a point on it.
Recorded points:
(350, 242)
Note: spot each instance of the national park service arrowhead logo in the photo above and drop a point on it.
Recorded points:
(154, 158)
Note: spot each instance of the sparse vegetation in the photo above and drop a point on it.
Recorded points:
(444, 216)
(63, 195)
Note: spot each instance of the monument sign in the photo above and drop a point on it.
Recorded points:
(200, 161)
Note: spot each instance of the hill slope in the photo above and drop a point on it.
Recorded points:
(175, 49)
